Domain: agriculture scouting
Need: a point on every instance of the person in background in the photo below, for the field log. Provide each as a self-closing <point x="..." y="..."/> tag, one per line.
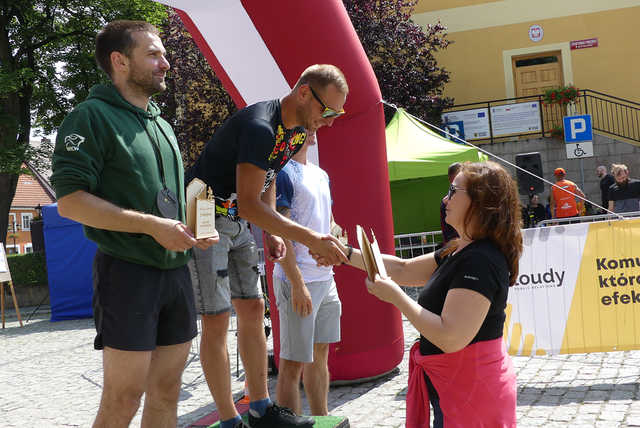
<point x="606" y="180"/>
<point x="563" y="200"/>
<point x="536" y="212"/>
<point x="624" y="194"/>
<point x="448" y="232"/>
<point x="460" y="365"/>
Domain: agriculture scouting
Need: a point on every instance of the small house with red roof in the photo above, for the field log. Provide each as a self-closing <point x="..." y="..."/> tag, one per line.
<point x="33" y="191"/>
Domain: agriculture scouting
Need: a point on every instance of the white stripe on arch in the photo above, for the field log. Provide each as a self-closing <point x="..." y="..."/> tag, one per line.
<point x="237" y="45"/>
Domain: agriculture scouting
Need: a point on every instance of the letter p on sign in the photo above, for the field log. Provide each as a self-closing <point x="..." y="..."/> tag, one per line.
<point x="578" y="126"/>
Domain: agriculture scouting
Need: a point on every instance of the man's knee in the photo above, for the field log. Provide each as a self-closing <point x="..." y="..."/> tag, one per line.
<point x="121" y="399"/>
<point x="163" y="394"/>
<point x="290" y="369"/>
<point x="215" y="327"/>
<point x="249" y="310"/>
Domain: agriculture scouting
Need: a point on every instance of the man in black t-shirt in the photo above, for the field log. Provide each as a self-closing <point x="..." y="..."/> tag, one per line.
<point x="624" y="194"/>
<point x="240" y="164"/>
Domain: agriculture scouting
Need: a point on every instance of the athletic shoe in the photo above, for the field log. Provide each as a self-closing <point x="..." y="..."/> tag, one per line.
<point x="241" y="424"/>
<point x="280" y="417"/>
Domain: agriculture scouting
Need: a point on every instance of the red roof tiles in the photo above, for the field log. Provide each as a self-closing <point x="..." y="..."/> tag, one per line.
<point x="31" y="191"/>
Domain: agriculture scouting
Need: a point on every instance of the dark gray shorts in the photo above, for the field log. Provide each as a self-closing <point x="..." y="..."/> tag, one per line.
<point x="227" y="270"/>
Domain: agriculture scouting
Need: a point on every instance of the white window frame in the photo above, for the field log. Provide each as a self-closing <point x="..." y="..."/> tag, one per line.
<point x="16" y="247"/>
<point x="12" y="223"/>
<point x="22" y="217"/>
<point x="28" y="247"/>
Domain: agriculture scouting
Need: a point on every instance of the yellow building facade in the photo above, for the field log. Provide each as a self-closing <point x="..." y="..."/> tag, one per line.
<point x="509" y="48"/>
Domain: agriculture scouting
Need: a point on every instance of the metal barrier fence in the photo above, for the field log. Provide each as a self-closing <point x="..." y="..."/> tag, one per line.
<point x="586" y="219"/>
<point x="416" y="244"/>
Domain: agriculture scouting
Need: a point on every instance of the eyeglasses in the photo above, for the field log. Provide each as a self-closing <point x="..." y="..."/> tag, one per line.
<point x="452" y="191"/>
<point x="327" y="113"/>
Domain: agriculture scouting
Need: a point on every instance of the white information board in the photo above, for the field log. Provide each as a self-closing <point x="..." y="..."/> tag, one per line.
<point x="5" y="275"/>
<point x="475" y="122"/>
<point x="517" y="118"/>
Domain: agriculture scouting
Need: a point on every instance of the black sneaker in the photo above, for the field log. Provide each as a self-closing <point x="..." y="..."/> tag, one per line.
<point x="280" y="417"/>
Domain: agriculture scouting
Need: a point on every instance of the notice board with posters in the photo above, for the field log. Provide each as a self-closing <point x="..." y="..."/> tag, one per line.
<point x="518" y="118"/>
<point x="475" y="122"/>
<point x="577" y="291"/>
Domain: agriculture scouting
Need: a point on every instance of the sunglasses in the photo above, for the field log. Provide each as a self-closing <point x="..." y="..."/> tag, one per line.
<point x="327" y="113"/>
<point x="452" y="191"/>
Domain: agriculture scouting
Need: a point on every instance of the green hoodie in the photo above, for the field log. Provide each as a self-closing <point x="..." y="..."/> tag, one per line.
<point x="105" y="147"/>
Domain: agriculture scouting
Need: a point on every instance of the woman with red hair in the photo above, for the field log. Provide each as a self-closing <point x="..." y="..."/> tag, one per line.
<point x="460" y="364"/>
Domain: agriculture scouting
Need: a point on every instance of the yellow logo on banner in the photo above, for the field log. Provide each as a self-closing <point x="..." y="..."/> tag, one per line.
<point x="516" y="337"/>
<point x="605" y="309"/>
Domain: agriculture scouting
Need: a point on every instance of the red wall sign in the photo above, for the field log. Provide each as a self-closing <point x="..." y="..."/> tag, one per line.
<point x="586" y="43"/>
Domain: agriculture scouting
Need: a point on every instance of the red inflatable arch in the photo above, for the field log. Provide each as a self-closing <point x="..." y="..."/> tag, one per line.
<point x="258" y="49"/>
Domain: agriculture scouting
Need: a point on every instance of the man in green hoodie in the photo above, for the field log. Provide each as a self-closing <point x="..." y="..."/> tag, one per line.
<point x="117" y="169"/>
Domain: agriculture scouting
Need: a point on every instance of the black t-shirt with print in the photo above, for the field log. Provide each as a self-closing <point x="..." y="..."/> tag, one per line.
<point x="253" y="135"/>
<point x="481" y="267"/>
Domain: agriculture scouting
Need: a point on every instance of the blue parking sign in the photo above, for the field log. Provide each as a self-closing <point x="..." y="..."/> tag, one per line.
<point x="577" y="128"/>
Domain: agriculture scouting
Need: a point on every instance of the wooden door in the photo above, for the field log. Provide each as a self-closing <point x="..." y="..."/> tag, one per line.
<point x="533" y="74"/>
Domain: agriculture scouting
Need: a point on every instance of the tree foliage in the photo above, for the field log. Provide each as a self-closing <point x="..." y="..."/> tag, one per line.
<point x="402" y="55"/>
<point x="195" y="103"/>
<point x="47" y="66"/>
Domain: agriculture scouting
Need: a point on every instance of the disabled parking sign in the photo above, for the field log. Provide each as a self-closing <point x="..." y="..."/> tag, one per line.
<point x="578" y="136"/>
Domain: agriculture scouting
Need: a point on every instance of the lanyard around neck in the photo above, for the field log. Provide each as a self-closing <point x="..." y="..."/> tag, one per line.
<point x="155" y="144"/>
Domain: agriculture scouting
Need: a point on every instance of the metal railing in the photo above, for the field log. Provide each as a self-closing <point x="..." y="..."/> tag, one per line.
<point x="586" y="219"/>
<point x="416" y="244"/>
<point x="609" y="115"/>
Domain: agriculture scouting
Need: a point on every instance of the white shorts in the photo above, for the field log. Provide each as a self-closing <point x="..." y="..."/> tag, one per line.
<point x="298" y="335"/>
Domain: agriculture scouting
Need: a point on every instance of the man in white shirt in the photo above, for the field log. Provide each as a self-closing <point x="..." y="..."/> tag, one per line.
<point x="306" y="294"/>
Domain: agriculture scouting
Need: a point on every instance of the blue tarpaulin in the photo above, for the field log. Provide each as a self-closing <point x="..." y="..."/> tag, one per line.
<point x="69" y="266"/>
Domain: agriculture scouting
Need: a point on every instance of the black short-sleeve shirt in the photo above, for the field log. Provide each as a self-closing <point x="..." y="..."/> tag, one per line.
<point x="481" y="267"/>
<point x="253" y="135"/>
<point x="625" y="196"/>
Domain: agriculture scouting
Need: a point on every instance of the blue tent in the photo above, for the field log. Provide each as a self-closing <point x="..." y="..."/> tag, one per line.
<point x="69" y="266"/>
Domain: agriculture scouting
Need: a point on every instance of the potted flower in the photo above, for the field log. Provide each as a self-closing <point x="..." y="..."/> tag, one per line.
<point x="557" y="132"/>
<point x="563" y="95"/>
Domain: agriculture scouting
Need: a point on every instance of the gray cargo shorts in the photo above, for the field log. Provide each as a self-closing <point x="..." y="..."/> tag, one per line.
<point x="227" y="270"/>
<point x="297" y="334"/>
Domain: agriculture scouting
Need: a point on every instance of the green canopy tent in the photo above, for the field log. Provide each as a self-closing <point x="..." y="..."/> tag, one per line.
<point x="418" y="160"/>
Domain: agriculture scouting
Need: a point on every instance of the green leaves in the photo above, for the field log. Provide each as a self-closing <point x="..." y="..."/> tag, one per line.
<point x="402" y="55"/>
<point x="12" y="80"/>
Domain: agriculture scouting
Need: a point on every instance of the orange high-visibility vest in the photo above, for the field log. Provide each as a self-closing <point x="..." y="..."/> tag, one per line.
<point x="565" y="202"/>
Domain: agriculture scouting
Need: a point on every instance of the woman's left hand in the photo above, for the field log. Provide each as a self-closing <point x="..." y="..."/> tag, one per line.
<point x="384" y="289"/>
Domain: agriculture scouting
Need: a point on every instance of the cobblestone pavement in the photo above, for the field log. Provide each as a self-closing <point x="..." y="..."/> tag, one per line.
<point x="50" y="376"/>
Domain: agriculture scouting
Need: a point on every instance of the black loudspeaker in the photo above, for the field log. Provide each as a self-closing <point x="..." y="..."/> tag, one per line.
<point x="527" y="184"/>
<point x="37" y="236"/>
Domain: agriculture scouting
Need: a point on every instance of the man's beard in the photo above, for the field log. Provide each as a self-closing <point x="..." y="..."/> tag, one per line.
<point x="145" y="84"/>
